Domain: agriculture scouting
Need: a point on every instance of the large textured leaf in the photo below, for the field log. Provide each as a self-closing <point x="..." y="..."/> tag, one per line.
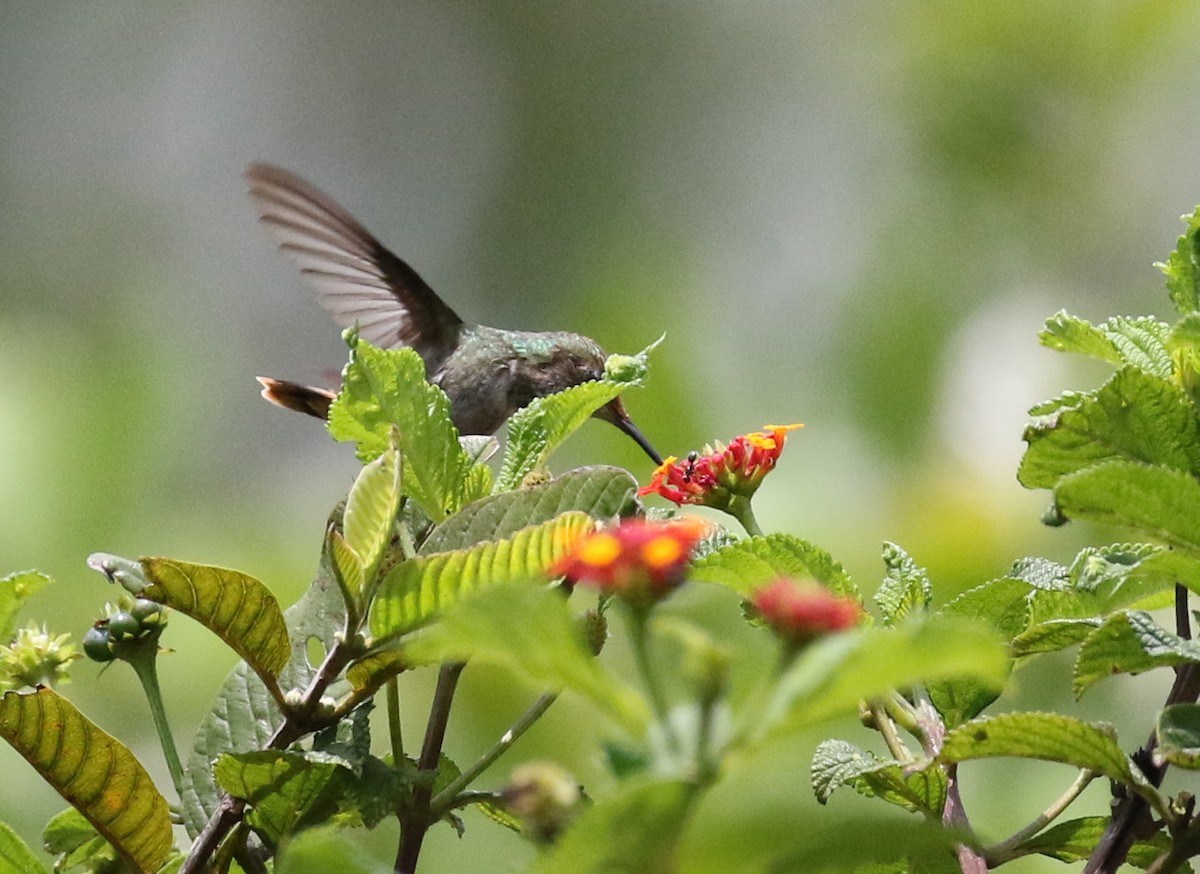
<point x="385" y="389"/>
<point x="286" y="790"/>
<point x="15" y="589"/>
<point x="415" y="590"/>
<point x="1130" y="643"/>
<point x="235" y="606"/>
<point x="748" y="564"/>
<point x="244" y="715"/>
<point x="92" y="770"/>
<point x="1153" y="501"/>
<point x="1136" y="341"/>
<point x="541" y="427"/>
<point x="1182" y="267"/>
<point x="15" y="855"/>
<point x="532" y="632"/>
<point x="833" y="675"/>
<point x="637" y="829"/>
<point x="1050" y="737"/>
<point x="905" y="588"/>
<point x="837" y="763"/>
<point x="1068" y="333"/>
<point x="1133" y="417"/>
<point x="601" y="492"/>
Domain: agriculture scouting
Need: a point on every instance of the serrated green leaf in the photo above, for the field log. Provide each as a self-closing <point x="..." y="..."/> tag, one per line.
<point x="1182" y="267"/>
<point x="837" y="763"/>
<point x="748" y="564"/>
<point x="92" y="770"/>
<point x="1129" y="642"/>
<point x="385" y="389"/>
<point x="235" y="606"/>
<point x="1050" y="737"/>
<point x="15" y="855"/>
<point x="1053" y="635"/>
<point x="1153" y="501"/>
<point x="417" y="589"/>
<point x="1002" y="603"/>
<point x="1041" y="573"/>
<point x="66" y="831"/>
<point x="1076" y="839"/>
<point x="1068" y="333"/>
<point x="371" y="509"/>
<point x="1132" y="417"/>
<point x="15" y="589"/>
<point x="531" y="632"/>
<point x="637" y="829"/>
<point x="834" y="674"/>
<point x="1178" y="734"/>
<point x="286" y="790"/>
<point x="905" y="588"/>
<point x="601" y="492"/>
<point x="1141" y="342"/>
<point x="244" y="716"/>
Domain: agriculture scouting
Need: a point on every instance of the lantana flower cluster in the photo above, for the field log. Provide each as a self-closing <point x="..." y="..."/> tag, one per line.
<point x="721" y="474"/>
<point x="800" y="611"/>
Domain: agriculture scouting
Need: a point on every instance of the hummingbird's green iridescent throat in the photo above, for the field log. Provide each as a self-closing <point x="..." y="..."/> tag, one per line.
<point x="488" y="373"/>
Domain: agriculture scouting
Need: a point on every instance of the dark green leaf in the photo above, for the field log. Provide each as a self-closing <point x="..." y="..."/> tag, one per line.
<point x="532" y="632"/>
<point x="286" y="790"/>
<point x="1051" y="737"/>
<point x="748" y="564"/>
<point x="1074" y="841"/>
<point x="601" y="492"/>
<point x="1179" y="735"/>
<point x="637" y="829"/>
<point x="1153" y="501"/>
<point x="92" y="770"/>
<point x="905" y="588"/>
<point x="417" y="589"/>
<point x="15" y="855"/>
<point x="1133" y="417"/>
<point x="1130" y="643"/>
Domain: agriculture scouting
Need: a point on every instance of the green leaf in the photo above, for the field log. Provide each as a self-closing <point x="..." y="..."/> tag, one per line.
<point x="244" y="715"/>
<point x="287" y="790"/>
<point x="748" y="564"/>
<point x="324" y="849"/>
<point x="637" y="829"/>
<point x="541" y="427"/>
<point x="1133" y="417"/>
<point x="15" y="590"/>
<point x="1129" y="643"/>
<point x="1153" y="501"/>
<point x="93" y="771"/>
<point x="15" y="855"/>
<point x="1182" y="267"/>
<point x="834" y="674"/>
<point x="1076" y="839"/>
<point x="235" y="606"/>
<point x="371" y="509"/>
<point x="837" y="763"/>
<point x="1178" y="735"/>
<point x="905" y="588"/>
<point x="385" y="389"/>
<point x="1050" y="737"/>
<point x="1068" y="333"/>
<point x="417" y="589"/>
<point x="531" y="632"/>
<point x="1002" y="603"/>
<point x="374" y="670"/>
<point x="1053" y="635"/>
<point x="601" y="492"/>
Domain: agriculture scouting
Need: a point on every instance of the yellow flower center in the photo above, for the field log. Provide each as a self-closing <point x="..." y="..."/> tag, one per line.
<point x="662" y="552"/>
<point x="599" y="550"/>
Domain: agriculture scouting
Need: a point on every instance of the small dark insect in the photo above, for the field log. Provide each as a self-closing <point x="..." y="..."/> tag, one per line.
<point x="690" y="467"/>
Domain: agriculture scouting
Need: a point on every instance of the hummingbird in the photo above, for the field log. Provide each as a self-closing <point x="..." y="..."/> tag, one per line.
<point x="488" y="373"/>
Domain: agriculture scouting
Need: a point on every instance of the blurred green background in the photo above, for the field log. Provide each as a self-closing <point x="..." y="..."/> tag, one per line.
<point x="854" y="215"/>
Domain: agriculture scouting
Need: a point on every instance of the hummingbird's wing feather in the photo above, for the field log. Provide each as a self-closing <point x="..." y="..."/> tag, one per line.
<point x="356" y="278"/>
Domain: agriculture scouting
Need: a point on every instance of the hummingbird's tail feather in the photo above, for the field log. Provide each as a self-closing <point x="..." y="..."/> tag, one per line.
<point x="293" y="396"/>
<point x="358" y="281"/>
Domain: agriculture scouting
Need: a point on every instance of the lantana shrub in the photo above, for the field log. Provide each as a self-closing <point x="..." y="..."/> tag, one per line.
<point x="434" y="562"/>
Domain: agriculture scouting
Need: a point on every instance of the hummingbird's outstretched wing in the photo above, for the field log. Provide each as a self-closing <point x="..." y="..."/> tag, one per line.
<point x="357" y="279"/>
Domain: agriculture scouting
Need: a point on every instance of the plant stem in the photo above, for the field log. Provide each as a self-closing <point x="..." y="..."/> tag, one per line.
<point x="639" y="638"/>
<point x="146" y="668"/>
<point x="740" y="509"/>
<point x="395" y="734"/>
<point x="415" y="822"/>
<point x="884" y="725"/>
<point x="448" y="798"/>
<point x="1003" y="852"/>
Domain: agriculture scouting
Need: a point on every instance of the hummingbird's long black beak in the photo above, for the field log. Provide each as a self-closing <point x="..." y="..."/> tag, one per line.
<point x="614" y="412"/>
